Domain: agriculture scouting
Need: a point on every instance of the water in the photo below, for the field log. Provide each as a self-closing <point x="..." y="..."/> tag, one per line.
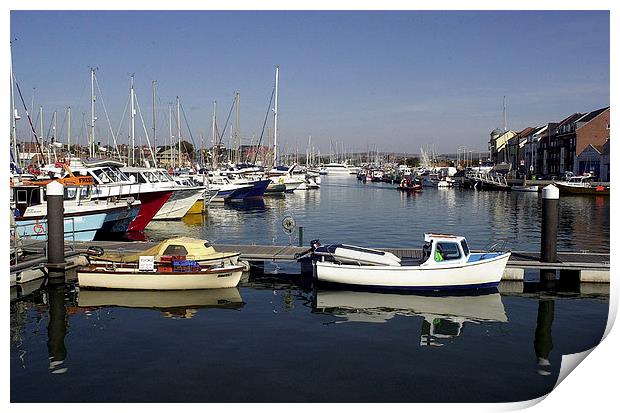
<point x="372" y="214"/>
<point x="278" y="337"/>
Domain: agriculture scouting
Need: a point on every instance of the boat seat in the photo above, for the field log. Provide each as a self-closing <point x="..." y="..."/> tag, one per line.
<point x="412" y="261"/>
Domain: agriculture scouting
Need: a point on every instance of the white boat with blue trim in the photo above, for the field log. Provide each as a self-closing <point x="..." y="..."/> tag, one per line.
<point x="446" y="263"/>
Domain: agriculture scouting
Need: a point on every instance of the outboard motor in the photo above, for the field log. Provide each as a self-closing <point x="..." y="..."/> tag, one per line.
<point x="314" y="244"/>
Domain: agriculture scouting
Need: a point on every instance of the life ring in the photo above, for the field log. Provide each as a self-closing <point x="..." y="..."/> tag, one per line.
<point x="38" y="228"/>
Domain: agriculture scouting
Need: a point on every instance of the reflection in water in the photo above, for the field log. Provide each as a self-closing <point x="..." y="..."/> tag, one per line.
<point x="444" y="316"/>
<point x="57" y="329"/>
<point x="543" y="340"/>
<point x="174" y="304"/>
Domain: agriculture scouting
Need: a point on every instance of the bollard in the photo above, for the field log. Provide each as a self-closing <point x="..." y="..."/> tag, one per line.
<point x="301" y="236"/>
<point x="549" y="229"/>
<point x="55" y="231"/>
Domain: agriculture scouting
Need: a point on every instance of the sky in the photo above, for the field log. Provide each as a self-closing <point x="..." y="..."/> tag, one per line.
<point x="391" y="80"/>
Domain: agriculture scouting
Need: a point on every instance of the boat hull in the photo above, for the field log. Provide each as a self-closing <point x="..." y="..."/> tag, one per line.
<point x="93" y="277"/>
<point x="118" y="221"/>
<point x="78" y="227"/>
<point x="197" y="208"/>
<point x="583" y="190"/>
<point x="150" y="204"/>
<point x="480" y="274"/>
<point x="179" y="203"/>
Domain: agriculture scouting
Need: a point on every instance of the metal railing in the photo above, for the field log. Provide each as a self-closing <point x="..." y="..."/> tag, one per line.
<point x="38" y="240"/>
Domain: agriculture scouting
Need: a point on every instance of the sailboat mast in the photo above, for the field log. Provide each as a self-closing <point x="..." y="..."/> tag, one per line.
<point x="133" y="124"/>
<point x="213" y="136"/>
<point x="504" y="113"/>
<point x="170" y="125"/>
<point x="275" y="121"/>
<point x="91" y="142"/>
<point x="238" y="155"/>
<point x="69" y="131"/>
<point x="154" y="135"/>
<point x="179" y="128"/>
<point x="13" y="114"/>
<point x="41" y="127"/>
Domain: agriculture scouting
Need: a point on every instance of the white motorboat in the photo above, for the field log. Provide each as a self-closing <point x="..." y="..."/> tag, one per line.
<point x="339" y="169"/>
<point x="524" y="188"/>
<point x="184" y="196"/>
<point x="582" y="184"/>
<point x="83" y="217"/>
<point x="112" y="183"/>
<point x="282" y="175"/>
<point x="446" y="263"/>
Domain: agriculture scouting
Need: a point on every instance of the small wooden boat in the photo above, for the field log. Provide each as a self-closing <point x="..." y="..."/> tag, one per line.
<point x="176" y="275"/>
<point x="191" y="248"/>
<point x="446" y="263"/>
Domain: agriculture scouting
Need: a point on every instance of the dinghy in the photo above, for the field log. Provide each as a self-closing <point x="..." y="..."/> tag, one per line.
<point x="446" y="263"/>
<point x="178" y="275"/>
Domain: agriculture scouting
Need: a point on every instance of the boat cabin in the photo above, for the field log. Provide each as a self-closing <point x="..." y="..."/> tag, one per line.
<point x="444" y="248"/>
<point x="147" y="175"/>
<point x="27" y="195"/>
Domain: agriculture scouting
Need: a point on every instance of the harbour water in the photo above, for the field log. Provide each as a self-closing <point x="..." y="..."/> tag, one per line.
<point x="278" y="337"/>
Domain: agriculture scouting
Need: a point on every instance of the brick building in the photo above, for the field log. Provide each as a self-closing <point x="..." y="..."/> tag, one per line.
<point x="592" y="129"/>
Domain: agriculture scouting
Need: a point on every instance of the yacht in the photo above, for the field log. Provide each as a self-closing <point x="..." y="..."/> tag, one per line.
<point x="111" y="182"/>
<point x="182" y="199"/>
<point x="84" y="217"/>
<point x="338" y="169"/>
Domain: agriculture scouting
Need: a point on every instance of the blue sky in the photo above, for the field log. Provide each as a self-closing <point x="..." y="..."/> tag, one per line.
<point x="397" y="80"/>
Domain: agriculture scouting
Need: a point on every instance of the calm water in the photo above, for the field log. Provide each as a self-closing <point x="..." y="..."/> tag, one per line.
<point x="373" y="214"/>
<point x="278" y="337"/>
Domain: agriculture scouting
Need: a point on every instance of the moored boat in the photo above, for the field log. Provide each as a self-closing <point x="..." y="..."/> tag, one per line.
<point x="194" y="249"/>
<point x="446" y="263"/>
<point x="582" y="185"/>
<point x="176" y="275"/>
<point x="524" y="188"/>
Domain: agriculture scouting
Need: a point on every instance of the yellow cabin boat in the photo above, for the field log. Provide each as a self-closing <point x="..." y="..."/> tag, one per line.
<point x="191" y="248"/>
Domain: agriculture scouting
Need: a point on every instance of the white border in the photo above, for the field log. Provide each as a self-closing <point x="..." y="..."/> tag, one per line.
<point x="591" y="386"/>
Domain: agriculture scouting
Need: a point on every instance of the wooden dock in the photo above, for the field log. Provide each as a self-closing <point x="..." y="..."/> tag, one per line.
<point x="592" y="266"/>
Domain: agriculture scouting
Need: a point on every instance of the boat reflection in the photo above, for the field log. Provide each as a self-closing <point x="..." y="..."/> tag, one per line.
<point x="443" y="316"/>
<point x="175" y="304"/>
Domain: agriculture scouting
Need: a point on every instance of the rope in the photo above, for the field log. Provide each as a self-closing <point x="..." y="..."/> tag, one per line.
<point x="29" y="119"/>
<point x="264" y="123"/>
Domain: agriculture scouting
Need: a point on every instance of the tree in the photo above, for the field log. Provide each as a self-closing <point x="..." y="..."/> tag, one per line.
<point x="187" y="148"/>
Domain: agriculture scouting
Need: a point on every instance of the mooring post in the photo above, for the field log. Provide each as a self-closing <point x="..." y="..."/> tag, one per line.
<point x="301" y="236"/>
<point x="55" y="232"/>
<point x="549" y="229"/>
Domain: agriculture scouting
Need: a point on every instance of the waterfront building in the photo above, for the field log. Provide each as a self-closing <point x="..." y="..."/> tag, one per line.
<point x="498" y="145"/>
<point x="589" y="160"/>
<point x="592" y="129"/>
<point x="605" y="175"/>
<point x="561" y="149"/>
<point x="517" y="148"/>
